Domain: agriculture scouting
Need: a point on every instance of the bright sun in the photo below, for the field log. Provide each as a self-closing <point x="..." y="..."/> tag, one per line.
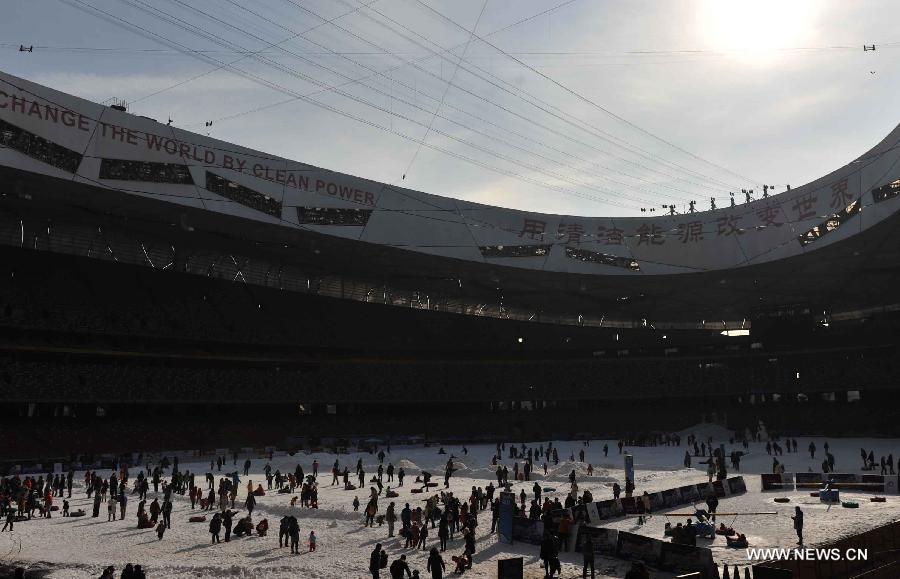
<point x="756" y="28"/>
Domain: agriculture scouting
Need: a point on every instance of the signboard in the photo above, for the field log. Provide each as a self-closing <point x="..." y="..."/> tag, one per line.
<point x="610" y="508"/>
<point x="809" y="480"/>
<point x="604" y="540"/>
<point x="510" y="568"/>
<point x="505" y="520"/>
<point x="684" y="558"/>
<point x="719" y="488"/>
<point x="631" y="546"/>
<point x="672" y="497"/>
<point x="689" y="494"/>
<point x="737" y="485"/>
<point x="580" y="513"/>
<point x="657" y="501"/>
<point x="527" y="530"/>
<point x="593" y="514"/>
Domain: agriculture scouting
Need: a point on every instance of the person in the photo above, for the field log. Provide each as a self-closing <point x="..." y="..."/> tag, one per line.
<point x="160" y="530"/>
<point x="215" y="527"/>
<point x="250" y="503"/>
<point x="226" y="522"/>
<point x="10" y="520"/>
<point x="283" y="528"/>
<point x="443" y="531"/>
<point x="312" y="541"/>
<point x="712" y="502"/>
<point x="294" y="532"/>
<point x="690" y="533"/>
<point x="549" y="552"/>
<point x="375" y="561"/>
<point x="565" y="530"/>
<point x="423" y="536"/>
<point x="390" y="518"/>
<point x="798" y="524"/>
<point x="398" y="567"/>
<point x="587" y="552"/>
<point x="463" y="562"/>
<point x="111" y="509"/>
<point x="436" y="564"/>
<point x="167" y="514"/>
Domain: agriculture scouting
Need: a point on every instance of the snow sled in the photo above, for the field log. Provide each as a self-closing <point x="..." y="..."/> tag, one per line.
<point x="739" y="542"/>
<point x="259" y="492"/>
<point x="431" y="484"/>
<point x="782" y="500"/>
<point x="54" y="507"/>
<point x="815" y="494"/>
<point x="197" y="519"/>
<point x="284" y="490"/>
<point x="392" y="495"/>
<point x="78" y="513"/>
<point x="726" y="531"/>
<point x="350" y="487"/>
<point x="849" y="505"/>
<point x="415" y="491"/>
<point x="877" y="499"/>
<point x="549" y="490"/>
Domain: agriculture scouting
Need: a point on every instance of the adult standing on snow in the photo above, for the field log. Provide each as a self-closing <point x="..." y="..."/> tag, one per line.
<point x="436" y="564"/>
<point x="215" y="527"/>
<point x="250" y="503"/>
<point x="798" y="524"/>
<point x="375" y="561"/>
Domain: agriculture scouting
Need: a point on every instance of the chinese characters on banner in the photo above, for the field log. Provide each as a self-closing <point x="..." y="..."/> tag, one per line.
<point x="732" y="224"/>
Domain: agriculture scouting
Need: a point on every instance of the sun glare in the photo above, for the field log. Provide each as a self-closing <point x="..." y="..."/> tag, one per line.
<point x="756" y="29"/>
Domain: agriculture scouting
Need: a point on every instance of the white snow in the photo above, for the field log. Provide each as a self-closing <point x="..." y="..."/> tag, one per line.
<point x="81" y="547"/>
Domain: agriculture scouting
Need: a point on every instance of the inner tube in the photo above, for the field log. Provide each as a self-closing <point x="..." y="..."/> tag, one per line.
<point x="850" y="505"/>
<point x="782" y="500"/>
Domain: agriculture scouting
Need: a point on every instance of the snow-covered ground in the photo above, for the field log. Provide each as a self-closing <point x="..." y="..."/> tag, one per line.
<point x="81" y="547"/>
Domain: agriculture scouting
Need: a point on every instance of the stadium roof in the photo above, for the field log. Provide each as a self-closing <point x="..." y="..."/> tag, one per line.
<point x="828" y="244"/>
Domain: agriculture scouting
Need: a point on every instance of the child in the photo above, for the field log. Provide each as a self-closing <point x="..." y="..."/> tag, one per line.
<point x="355" y="504"/>
<point x="312" y="541"/>
<point x="65" y="508"/>
<point x="160" y="530"/>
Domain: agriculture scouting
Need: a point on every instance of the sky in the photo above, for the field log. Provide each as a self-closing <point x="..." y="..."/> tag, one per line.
<point x="581" y="107"/>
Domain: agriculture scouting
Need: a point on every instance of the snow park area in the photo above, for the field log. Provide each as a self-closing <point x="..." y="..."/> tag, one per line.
<point x="83" y="546"/>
